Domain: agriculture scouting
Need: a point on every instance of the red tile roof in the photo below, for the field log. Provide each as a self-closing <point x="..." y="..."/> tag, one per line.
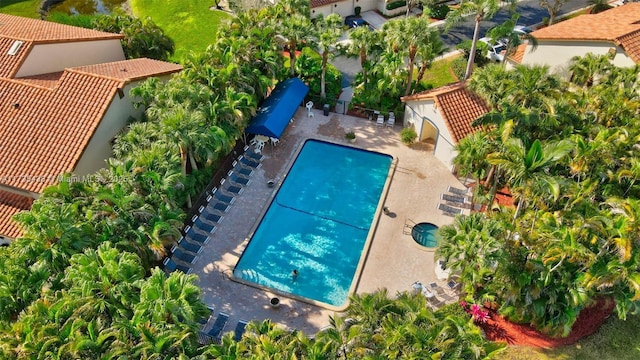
<point x="458" y="106"/>
<point x="318" y="3"/>
<point x="9" y="64"/>
<point x="11" y="204"/>
<point x="518" y="55"/>
<point x="45" y="130"/>
<point x="620" y="25"/>
<point x="40" y="31"/>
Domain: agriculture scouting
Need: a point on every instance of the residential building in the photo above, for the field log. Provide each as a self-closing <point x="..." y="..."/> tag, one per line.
<point x="64" y="95"/>
<point x="445" y="116"/>
<point x="615" y="32"/>
<point x="347" y="7"/>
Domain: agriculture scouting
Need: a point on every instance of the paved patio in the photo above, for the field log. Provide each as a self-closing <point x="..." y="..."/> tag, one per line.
<point x="394" y="260"/>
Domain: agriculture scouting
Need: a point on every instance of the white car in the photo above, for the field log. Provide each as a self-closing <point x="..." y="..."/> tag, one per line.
<point x="495" y="51"/>
<point x="522" y="30"/>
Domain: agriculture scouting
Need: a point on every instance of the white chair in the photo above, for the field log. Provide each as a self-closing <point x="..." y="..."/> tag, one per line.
<point x="309" y="106"/>
<point x="391" y="121"/>
<point x="274" y="141"/>
<point x="380" y="120"/>
<point x="258" y="147"/>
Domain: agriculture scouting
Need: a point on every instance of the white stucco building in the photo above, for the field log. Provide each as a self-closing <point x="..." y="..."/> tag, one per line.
<point x="64" y="95"/>
<point x="615" y="32"/>
<point x="444" y="115"/>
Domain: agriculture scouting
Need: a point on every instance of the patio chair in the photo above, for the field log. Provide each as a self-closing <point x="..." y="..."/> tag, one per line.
<point x="442" y="293"/>
<point x="380" y="120"/>
<point x="218" y="326"/>
<point x="184" y="256"/>
<point x="259" y="147"/>
<point x="192" y="235"/>
<point x="203" y="321"/>
<point x="237" y="190"/>
<point x="449" y="210"/>
<point x="239" y="330"/>
<point x="274" y="141"/>
<point x="453" y="285"/>
<point x="248" y="162"/>
<point x="170" y="266"/>
<point x="215" y="194"/>
<point x="434" y="303"/>
<point x="235" y="178"/>
<point x="252" y="155"/>
<point x="187" y="246"/>
<point x="459" y="192"/>
<point x="242" y="170"/>
<point x="211" y="217"/>
<point x="456" y="200"/>
<point x="203" y="226"/>
<point x="391" y="121"/>
<point x="217" y="205"/>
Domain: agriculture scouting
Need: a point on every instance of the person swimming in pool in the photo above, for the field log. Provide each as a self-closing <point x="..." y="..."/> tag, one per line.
<point x="294" y="274"/>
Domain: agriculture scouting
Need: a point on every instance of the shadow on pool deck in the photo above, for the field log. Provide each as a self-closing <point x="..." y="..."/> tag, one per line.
<point x="394" y="260"/>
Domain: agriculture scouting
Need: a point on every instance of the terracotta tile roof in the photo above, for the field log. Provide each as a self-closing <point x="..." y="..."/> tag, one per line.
<point x="44" y="131"/>
<point x="458" y="106"/>
<point x="44" y="80"/>
<point x="631" y="44"/>
<point x="130" y="70"/>
<point x="318" y="3"/>
<point x="40" y="31"/>
<point x="608" y="25"/>
<point x="518" y="55"/>
<point x="11" y="204"/>
<point x="9" y="64"/>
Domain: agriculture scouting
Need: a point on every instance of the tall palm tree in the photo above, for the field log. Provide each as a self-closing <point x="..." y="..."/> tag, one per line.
<point x="329" y="30"/>
<point x="585" y="69"/>
<point x="480" y="10"/>
<point x="362" y="40"/>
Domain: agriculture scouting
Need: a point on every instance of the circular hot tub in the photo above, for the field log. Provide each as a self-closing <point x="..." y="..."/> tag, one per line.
<point x="425" y="234"/>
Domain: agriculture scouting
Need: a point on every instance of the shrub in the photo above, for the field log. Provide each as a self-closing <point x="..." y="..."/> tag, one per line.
<point x="454" y="310"/>
<point x="439" y="11"/>
<point x="396" y="4"/>
<point x="408" y="135"/>
<point x="458" y="67"/>
<point x="350" y="135"/>
<point x="80" y="20"/>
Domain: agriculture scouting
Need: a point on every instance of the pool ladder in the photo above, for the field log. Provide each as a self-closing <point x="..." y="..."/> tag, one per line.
<point x="408" y="226"/>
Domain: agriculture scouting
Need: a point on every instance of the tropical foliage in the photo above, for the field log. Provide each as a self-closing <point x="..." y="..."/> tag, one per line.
<point x="565" y="151"/>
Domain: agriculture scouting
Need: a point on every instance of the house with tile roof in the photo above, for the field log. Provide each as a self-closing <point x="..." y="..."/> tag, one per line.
<point x="64" y="95"/>
<point x="347" y="7"/>
<point x="444" y="116"/>
<point x="615" y="32"/>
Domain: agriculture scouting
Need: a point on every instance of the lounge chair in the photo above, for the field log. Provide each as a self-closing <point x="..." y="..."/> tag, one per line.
<point x="242" y="170"/>
<point x="218" y="326"/>
<point x="252" y="155"/>
<point x="449" y="210"/>
<point x="237" y="190"/>
<point x="203" y="226"/>
<point x="170" y="266"/>
<point x="239" y="330"/>
<point x="392" y="120"/>
<point x="453" y="285"/>
<point x="192" y="235"/>
<point x="205" y="320"/>
<point x="234" y="178"/>
<point x="185" y="245"/>
<point x="455" y="200"/>
<point x="211" y="217"/>
<point x="216" y="204"/>
<point x="248" y="162"/>
<point x="442" y="293"/>
<point x="215" y="194"/>
<point x="459" y="192"/>
<point x="380" y="120"/>
<point x="184" y="256"/>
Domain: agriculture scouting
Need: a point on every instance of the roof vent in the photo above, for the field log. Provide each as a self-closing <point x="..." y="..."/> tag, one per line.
<point x="15" y="47"/>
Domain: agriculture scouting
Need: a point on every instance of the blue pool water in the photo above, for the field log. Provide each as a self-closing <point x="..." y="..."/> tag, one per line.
<point x="317" y="223"/>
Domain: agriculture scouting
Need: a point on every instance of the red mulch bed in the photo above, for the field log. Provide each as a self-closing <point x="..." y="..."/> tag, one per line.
<point x="589" y="321"/>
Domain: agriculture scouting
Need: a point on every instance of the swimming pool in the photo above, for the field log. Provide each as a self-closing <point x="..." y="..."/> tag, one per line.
<point x="317" y="223"/>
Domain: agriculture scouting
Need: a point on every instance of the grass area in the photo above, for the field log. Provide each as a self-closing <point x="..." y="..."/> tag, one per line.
<point x="439" y="74"/>
<point x="190" y="24"/>
<point x="615" y="340"/>
<point x="25" y="8"/>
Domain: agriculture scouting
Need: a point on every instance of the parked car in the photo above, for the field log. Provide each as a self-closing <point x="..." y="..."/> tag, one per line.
<point x="522" y="30"/>
<point x="495" y="51"/>
<point x="353" y="21"/>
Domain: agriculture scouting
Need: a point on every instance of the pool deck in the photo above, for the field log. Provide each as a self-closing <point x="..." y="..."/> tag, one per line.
<point x="394" y="260"/>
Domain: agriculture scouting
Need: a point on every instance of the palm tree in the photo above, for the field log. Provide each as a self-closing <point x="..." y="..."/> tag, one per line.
<point x="296" y="30"/>
<point x="481" y="10"/>
<point x="329" y="30"/>
<point x="362" y="40"/>
<point x="585" y="69"/>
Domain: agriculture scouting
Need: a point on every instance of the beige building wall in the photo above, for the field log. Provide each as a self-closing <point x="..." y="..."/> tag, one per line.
<point x="423" y="116"/>
<point x="48" y="58"/>
<point x="99" y="147"/>
<point x="345" y="8"/>
<point x="557" y="54"/>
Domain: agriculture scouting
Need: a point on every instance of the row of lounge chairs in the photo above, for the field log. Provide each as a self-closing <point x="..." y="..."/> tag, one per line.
<point x="437" y="295"/>
<point x="214" y="333"/>
<point x="205" y="222"/>
<point x="390" y="121"/>
<point x="455" y="201"/>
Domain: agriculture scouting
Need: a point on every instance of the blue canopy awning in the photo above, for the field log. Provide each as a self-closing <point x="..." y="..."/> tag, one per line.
<point x="276" y="110"/>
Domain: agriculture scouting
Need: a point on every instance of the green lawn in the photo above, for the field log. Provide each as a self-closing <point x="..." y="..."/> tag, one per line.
<point x="190" y="24"/>
<point x="439" y="74"/>
<point x="25" y="8"/>
<point x="615" y="340"/>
